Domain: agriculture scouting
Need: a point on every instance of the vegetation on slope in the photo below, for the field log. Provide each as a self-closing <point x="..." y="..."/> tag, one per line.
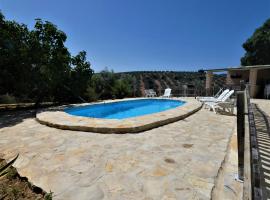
<point x="177" y="81"/>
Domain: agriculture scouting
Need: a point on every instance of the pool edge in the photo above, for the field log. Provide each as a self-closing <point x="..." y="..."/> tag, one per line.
<point x="62" y="120"/>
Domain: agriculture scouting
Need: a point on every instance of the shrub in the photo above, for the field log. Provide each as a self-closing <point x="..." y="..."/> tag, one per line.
<point x="7" y="99"/>
<point x="91" y="94"/>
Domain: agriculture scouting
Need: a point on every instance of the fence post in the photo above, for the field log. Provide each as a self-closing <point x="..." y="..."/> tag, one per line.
<point x="242" y="85"/>
<point x="240" y="132"/>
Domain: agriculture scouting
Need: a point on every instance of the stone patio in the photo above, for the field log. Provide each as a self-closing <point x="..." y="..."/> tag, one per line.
<point x="58" y="118"/>
<point x="181" y="160"/>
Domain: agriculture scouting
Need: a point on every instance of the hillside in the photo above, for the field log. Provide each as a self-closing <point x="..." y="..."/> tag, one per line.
<point x="177" y="81"/>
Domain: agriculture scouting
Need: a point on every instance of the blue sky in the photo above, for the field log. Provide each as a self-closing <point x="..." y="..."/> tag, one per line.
<point x="128" y="35"/>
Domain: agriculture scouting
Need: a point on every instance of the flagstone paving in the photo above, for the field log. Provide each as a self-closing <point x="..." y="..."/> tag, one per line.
<point x="180" y="160"/>
<point x="263" y="104"/>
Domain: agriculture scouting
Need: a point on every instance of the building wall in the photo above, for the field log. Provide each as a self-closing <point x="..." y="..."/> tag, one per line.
<point x="235" y="76"/>
<point x="263" y="78"/>
<point x="257" y="78"/>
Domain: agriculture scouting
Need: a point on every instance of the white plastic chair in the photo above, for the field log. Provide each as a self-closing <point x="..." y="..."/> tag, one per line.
<point x="167" y="93"/>
<point x="222" y="103"/>
<point x="213" y="99"/>
<point x="215" y="96"/>
<point x="152" y="93"/>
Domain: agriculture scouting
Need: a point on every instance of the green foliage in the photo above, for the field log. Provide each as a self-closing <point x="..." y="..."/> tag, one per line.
<point x="7" y="99"/>
<point x="121" y="89"/>
<point x="258" y="47"/>
<point x="49" y="196"/>
<point x="12" y="173"/>
<point x="109" y="85"/>
<point x="81" y="74"/>
<point x="36" y="66"/>
<point x="91" y="94"/>
<point x="4" y="168"/>
<point x="14" y="67"/>
<point x="51" y="61"/>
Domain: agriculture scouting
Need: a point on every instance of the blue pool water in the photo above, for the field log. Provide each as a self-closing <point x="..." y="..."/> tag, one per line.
<point x="125" y="109"/>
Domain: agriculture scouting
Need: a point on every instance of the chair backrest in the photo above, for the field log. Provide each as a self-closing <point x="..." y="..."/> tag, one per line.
<point x="223" y="94"/>
<point x="227" y="96"/>
<point x="218" y="93"/>
<point x="151" y="91"/>
<point x="146" y="92"/>
<point x="167" y="92"/>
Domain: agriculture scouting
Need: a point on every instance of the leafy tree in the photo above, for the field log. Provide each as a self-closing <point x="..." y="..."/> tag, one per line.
<point x="91" y="94"/>
<point x="81" y="74"/>
<point x="258" y="47"/>
<point x="122" y="88"/>
<point x="36" y="66"/>
<point x="104" y="82"/>
<point x="108" y="85"/>
<point x="14" y="66"/>
<point x="50" y="61"/>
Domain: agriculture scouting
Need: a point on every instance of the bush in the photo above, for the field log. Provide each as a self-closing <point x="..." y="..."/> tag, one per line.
<point x="91" y="94"/>
<point x="7" y="99"/>
<point x="121" y="89"/>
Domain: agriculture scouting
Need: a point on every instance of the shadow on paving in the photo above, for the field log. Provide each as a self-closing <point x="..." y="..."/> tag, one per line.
<point x="263" y="140"/>
<point x="11" y="118"/>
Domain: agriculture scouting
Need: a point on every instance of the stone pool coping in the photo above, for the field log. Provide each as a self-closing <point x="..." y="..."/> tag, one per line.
<point x="57" y="118"/>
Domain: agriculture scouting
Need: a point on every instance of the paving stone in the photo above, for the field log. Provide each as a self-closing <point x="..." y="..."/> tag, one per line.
<point x="176" y="161"/>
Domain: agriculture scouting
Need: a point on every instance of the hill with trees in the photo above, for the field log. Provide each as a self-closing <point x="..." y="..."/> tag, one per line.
<point x="177" y="81"/>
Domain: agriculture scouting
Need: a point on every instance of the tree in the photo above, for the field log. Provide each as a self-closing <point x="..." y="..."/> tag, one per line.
<point x="109" y="85"/>
<point x="122" y="88"/>
<point x="81" y="74"/>
<point x="36" y="66"/>
<point x="14" y="65"/>
<point x="104" y="83"/>
<point x="50" y="61"/>
<point x="258" y="47"/>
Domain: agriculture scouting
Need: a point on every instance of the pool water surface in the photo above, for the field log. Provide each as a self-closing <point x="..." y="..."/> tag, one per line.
<point x="124" y="109"/>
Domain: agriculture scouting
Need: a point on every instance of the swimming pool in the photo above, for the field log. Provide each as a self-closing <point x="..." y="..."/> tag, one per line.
<point x="125" y="109"/>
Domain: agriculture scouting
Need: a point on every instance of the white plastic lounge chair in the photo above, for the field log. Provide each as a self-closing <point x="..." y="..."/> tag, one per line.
<point x="213" y="99"/>
<point x="216" y="95"/>
<point x="167" y="93"/>
<point x="150" y="93"/>
<point x="146" y="93"/>
<point x="222" y="103"/>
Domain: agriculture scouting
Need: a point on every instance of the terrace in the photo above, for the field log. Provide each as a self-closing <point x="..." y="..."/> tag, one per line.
<point x="187" y="152"/>
<point x="185" y="159"/>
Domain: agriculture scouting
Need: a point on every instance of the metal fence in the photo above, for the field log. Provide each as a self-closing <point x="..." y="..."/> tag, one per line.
<point x="249" y="161"/>
<point x="199" y="90"/>
<point x="256" y="179"/>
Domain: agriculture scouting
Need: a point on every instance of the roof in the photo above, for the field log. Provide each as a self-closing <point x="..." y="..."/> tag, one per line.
<point x="239" y="68"/>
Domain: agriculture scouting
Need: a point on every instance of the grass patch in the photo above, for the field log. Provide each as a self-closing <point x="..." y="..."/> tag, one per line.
<point x="12" y="186"/>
